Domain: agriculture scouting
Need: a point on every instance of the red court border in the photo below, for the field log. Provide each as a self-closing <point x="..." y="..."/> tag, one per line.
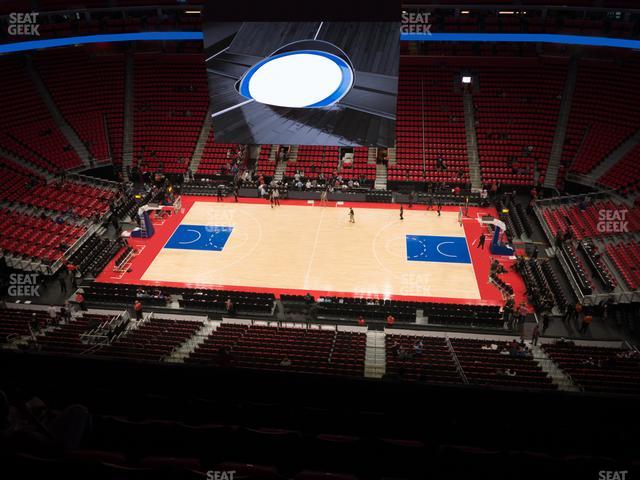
<point x="481" y="259"/>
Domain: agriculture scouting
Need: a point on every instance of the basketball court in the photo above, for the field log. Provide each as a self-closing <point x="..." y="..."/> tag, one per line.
<point x="302" y="247"/>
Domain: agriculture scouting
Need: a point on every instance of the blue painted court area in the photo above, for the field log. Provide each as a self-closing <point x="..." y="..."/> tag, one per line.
<point x="199" y="237"/>
<point x="430" y="248"/>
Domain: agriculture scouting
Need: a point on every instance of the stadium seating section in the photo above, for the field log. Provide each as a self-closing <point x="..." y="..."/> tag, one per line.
<point x="93" y="255"/>
<point x="626" y="258"/>
<point x="170" y="104"/>
<point x="88" y="88"/>
<point x="13" y="180"/>
<point x="515" y="118"/>
<point x="206" y="300"/>
<point x="597" y="369"/>
<point x="265" y="166"/>
<point x="436" y="313"/>
<point x="584" y="223"/>
<point x="360" y="168"/>
<point x="27" y="129"/>
<point x="214" y="157"/>
<point x="35" y="237"/>
<point x="434" y="364"/>
<point x="430" y="125"/>
<point x="624" y="175"/>
<point x="313" y="161"/>
<point x="480" y="364"/>
<point x="16" y="322"/>
<point x="152" y="340"/>
<point x="81" y="199"/>
<point x="605" y="111"/>
<point x="66" y="338"/>
<point x="309" y="350"/>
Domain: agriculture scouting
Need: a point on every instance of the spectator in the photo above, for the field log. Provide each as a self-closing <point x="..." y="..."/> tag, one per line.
<point x="522" y="312"/>
<point x="285" y="362"/>
<point x="545" y="323"/>
<point x="394" y="348"/>
<point x="80" y="300"/>
<point x="53" y="314"/>
<point x="535" y="335"/>
<point x="35" y="323"/>
<point x="403" y="354"/>
<point x="71" y="269"/>
<point x="484" y="195"/>
<point x="418" y="347"/>
<point x="230" y="307"/>
<point x="577" y="311"/>
<point x="390" y="320"/>
<point x="586" y="323"/>
<point x="361" y="321"/>
<point x="34" y="425"/>
<point x="64" y="313"/>
<point x="137" y="307"/>
<point x="224" y="356"/>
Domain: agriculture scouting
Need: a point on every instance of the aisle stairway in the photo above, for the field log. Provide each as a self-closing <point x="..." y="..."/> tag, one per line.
<point x="381" y="177"/>
<point x="551" y="176"/>
<point x="375" y="355"/>
<point x="472" y="141"/>
<point x="207" y="124"/>
<point x="127" y="139"/>
<point x="557" y="376"/>
<point x="70" y="134"/>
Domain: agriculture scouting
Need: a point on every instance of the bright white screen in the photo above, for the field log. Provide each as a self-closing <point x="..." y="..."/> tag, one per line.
<point x="296" y="81"/>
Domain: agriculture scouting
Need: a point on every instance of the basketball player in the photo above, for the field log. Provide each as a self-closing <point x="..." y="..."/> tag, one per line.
<point x="481" y="241"/>
<point x="439" y="207"/>
<point x="276" y="197"/>
<point x="401" y="212"/>
<point x="352" y="216"/>
<point x="323" y="197"/>
<point x="271" y="197"/>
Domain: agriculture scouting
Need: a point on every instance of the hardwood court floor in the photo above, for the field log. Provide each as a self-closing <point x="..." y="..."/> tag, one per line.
<point x="316" y="248"/>
<point x="299" y="248"/>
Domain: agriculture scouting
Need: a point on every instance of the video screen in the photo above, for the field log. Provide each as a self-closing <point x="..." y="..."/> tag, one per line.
<point x="303" y="83"/>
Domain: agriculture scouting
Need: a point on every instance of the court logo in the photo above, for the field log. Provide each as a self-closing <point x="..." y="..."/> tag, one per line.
<point x="415" y="23"/>
<point x="613" y="221"/>
<point x="220" y="217"/>
<point x="24" y="24"/>
<point x="23" y="285"/>
<point x="416" y="284"/>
